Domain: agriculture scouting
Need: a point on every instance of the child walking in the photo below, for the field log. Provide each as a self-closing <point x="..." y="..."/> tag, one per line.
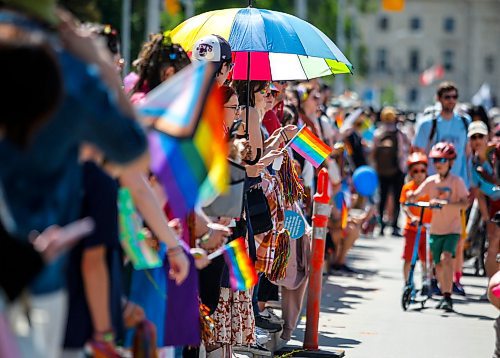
<point x="417" y="170"/>
<point x="449" y="191"/>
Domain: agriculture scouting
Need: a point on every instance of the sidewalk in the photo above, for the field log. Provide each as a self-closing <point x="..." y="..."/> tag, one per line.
<point x="362" y="314"/>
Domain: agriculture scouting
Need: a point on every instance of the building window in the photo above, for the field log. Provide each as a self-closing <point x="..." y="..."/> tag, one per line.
<point x="448" y="57"/>
<point x="414" y="61"/>
<point x="383" y="23"/>
<point x="415" y="24"/>
<point x="381" y="64"/>
<point x="489" y="64"/>
<point x="449" y="24"/>
<point x="413" y="95"/>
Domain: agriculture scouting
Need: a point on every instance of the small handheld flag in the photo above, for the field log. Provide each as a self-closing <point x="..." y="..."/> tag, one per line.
<point x="242" y="275"/>
<point x="310" y="147"/>
<point x="132" y="236"/>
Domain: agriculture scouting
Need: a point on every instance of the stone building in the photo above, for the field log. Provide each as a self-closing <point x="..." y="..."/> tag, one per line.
<point x="461" y="35"/>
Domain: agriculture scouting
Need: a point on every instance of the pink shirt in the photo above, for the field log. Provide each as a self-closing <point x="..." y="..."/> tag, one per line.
<point x="446" y="220"/>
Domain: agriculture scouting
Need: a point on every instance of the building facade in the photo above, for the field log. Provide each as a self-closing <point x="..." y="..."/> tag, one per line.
<point x="461" y="35"/>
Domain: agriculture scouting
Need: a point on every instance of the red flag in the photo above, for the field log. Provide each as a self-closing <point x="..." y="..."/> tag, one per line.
<point x="431" y="74"/>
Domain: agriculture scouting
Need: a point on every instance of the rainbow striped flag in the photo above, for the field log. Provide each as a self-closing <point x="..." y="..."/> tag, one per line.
<point x="242" y="275"/>
<point x="310" y="147"/>
<point x="187" y="146"/>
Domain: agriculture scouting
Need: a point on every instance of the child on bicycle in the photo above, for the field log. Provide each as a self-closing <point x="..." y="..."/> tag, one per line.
<point x="417" y="170"/>
<point x="448" y="191"/>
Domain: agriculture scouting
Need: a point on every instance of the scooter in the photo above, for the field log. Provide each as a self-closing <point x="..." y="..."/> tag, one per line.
<point x="410" y="294"/>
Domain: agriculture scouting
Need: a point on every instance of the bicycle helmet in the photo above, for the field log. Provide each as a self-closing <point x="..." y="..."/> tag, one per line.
<point x="416" y="158"/>
<point x="444" y="150"/>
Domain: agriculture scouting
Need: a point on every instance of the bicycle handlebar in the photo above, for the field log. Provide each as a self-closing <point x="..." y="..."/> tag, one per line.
<point x="423" y="204"/>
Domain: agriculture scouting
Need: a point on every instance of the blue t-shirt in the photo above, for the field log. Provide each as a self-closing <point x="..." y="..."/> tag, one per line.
<point x="453" y="131"/>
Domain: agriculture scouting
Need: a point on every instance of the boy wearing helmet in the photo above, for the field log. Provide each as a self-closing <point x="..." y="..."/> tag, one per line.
<point x="417" y="169"/>
<point x="448" y="190"/>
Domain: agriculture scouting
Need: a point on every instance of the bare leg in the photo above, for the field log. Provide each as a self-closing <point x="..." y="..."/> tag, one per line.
<point x="458" y="261"/>
<point x="406" y="269"/>
<point x="445" y="272"/>
<point x="352" y="234"/>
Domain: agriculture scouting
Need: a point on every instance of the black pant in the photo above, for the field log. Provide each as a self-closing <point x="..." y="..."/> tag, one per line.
<point x="392" y="184"/>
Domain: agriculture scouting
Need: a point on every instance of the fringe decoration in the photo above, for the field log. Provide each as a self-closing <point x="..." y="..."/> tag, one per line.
<point x="293" y="190"/>
<point x="281" y="255"/>
<point x="207" y="324"/>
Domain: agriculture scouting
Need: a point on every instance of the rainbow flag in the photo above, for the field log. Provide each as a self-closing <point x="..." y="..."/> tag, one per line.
<point x="310" y="147"/>
<point x="242" y="275"/>
<point x="187" y="146"/>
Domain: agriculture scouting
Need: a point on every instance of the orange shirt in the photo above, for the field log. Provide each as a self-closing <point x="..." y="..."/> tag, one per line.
<point x="414" y="210"/>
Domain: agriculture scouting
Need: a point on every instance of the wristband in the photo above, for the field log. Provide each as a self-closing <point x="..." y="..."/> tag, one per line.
<point x="106" y="336"/>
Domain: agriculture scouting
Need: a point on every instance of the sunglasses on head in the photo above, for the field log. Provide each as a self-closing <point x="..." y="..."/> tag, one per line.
<point x="439" y="160"/>
<point x="450" y="96"/>
<point x="477" y="136"/>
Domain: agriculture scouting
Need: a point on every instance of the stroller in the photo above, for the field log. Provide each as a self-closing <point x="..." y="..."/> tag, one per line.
<point x="410" y="293"/>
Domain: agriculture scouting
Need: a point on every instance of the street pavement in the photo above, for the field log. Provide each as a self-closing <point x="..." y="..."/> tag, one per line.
<point x="362" y="313"/>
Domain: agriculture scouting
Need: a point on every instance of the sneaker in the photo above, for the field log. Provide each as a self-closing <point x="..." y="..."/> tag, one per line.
<point x="261" y="336"/>
<point x="440" y="304"/>
<point x="396" y="232"/>
<point x="458" y="289"/>
<point x="447" y="304"/>
<point x="266" y="324"/>
<point x="343" y="268"/>
<point x="269" y="314"/>
<point x="281" y="343"/>
<point x="425" y="290"/>
<point x="256" y="349"/>
<point x="435" y="288"/>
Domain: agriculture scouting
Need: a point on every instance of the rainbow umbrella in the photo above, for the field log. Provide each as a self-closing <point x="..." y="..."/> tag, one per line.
<point x="278" y="46"/>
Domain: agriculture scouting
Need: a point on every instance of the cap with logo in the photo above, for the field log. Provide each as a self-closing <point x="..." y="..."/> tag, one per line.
<point x="212" y="48"/>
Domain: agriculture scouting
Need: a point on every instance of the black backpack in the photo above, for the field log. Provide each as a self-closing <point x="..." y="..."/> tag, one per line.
<point x="386" y="154"/>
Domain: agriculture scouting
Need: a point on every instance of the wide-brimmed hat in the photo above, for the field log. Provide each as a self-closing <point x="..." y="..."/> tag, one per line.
<point x="44" y="10"/>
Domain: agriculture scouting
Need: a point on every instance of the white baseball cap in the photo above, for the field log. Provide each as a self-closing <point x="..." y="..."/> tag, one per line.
<point x="477" y="127"/>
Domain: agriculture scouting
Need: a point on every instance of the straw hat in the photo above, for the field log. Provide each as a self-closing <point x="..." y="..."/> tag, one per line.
<point x="388" y="114"/>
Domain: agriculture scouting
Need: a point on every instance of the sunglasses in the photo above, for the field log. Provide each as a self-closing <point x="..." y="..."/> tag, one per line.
<point x="448" y="97"/>
<point x="421" y="171"/>
<point x="265" y="91"/>
<point x="440" y="160"/>
<point x="477" y="136"/>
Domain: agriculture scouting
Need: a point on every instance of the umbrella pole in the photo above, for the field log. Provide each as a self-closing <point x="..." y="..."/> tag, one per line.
<point x="248" y="96"/>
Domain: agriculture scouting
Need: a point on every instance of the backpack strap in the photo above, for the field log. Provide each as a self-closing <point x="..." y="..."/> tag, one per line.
<point x="434" y="126"/>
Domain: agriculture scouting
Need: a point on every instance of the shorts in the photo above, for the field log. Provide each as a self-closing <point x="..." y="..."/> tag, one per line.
<point x="410" y="237"/>
<point x="443" y="243"/>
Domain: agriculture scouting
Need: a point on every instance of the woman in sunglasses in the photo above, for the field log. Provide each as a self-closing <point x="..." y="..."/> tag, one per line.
<point x="448" y="191"/>
<point x="485" y="187"/>
<point x="417" y="170"/>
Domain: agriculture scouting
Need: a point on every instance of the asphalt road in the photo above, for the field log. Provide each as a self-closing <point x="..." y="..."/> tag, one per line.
<point x="362" y="313"/>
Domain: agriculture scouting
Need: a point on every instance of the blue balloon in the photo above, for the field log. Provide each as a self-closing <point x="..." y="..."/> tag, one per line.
<point x="365" y="180"/>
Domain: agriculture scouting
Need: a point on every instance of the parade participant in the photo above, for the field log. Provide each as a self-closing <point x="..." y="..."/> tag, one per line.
<point x="417" y="169"/>
<point x="448" y="190"/>
<point x="390" y="150"/>
<point x="447" y="126"/>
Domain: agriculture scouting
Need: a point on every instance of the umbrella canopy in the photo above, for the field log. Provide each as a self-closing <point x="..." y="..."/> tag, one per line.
<point x="281" y="46"/>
